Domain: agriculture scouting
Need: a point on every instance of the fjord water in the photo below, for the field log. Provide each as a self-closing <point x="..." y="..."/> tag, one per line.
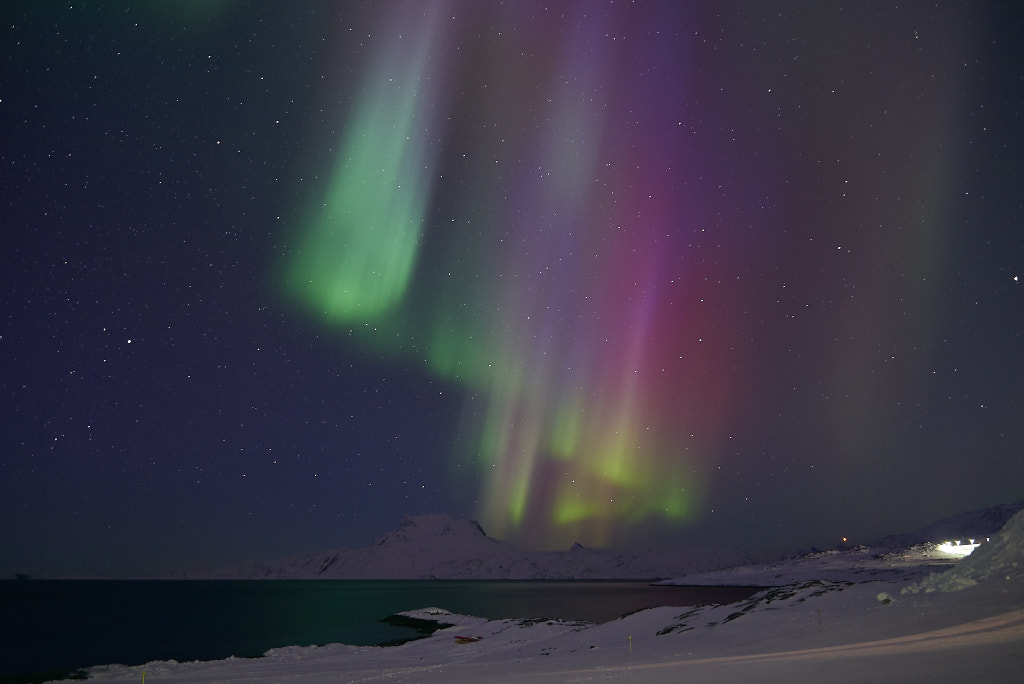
<point x="55" y="625"/>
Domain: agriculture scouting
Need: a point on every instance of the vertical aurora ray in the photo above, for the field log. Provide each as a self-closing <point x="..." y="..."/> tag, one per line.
<point x="573" y="445"/>
<point x="355" y="252"/>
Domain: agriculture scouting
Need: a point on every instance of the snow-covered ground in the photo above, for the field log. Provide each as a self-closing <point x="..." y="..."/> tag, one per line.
<point x="881" y="619"/>
<point x="858" y="564"/>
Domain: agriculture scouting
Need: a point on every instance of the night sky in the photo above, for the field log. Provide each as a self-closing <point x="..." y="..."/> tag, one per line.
<point x="625" y="273"/>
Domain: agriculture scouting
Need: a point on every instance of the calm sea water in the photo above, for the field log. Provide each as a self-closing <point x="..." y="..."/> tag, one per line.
<point x="53" y="626"/>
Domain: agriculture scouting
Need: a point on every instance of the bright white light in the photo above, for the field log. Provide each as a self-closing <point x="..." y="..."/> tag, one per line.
<point x="956" y="548"/>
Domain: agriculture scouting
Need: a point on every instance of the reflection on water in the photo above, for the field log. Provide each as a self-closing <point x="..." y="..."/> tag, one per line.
<point x="55" y="625"/>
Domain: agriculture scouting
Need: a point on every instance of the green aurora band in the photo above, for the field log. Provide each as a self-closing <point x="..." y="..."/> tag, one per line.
<point x="357" y="249"/>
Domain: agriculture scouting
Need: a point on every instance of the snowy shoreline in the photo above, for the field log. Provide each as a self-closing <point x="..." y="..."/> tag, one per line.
<point x="876" y="617"/>
<point x="792" y="633"/>
<point x="867" y="613"/>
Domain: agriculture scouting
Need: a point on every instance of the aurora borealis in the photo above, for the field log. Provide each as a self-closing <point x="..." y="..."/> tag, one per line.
<point x="363" y="239"/>
<point x="614" y="273"/>
<point x="561" y="254"/>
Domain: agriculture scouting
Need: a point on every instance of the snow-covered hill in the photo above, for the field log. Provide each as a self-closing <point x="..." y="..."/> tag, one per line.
<point x="437" y="546"/>
<point x="1001" y="558"/>
<point x="903" y="557"/>
<point x="980" y="523"/>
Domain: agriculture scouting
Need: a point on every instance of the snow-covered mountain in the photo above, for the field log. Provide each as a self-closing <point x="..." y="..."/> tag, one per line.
<point x="973" y="524"/>
<point x="437" y="546"/>
<point x="908" y="557"/>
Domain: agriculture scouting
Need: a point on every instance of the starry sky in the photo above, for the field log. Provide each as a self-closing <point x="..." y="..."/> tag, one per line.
<point x="626" y="273"/>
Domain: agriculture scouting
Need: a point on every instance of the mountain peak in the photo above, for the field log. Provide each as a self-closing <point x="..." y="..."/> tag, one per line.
<point x="429" y="526"/>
